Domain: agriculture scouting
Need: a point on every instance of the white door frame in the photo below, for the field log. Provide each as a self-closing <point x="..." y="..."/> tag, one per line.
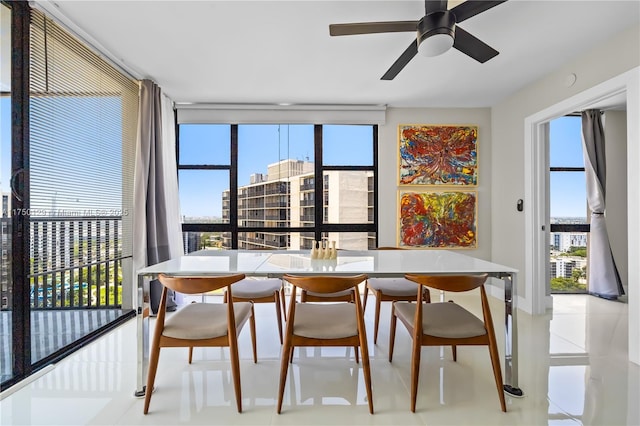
<point x="536" y="217"/>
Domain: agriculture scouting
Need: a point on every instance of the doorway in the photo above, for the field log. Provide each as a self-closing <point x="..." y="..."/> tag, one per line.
<point x="617" y="93"/>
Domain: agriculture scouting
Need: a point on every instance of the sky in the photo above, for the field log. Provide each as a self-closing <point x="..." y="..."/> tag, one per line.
<point x="260" y="145"/>
<point x="568" y="192"/>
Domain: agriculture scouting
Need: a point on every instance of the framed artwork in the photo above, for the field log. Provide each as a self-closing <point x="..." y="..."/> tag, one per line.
<point x="438" y="219"/>
<point x="438" y="154"/>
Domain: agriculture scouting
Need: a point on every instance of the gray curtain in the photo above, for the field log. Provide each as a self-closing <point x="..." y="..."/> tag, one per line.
<point x="157" y="230"/>
<point x="604" y="279"/>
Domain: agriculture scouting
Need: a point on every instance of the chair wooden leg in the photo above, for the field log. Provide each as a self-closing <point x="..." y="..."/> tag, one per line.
<point x="497" y="374"/>
<point x="377" y="318"/>
<point x="287" y="356"/>
<point x="235" y="370"/>
<point x="364" y="298"/>
<point x="284" y="303"/>
<point x="366" y="368"/>
<point x="252" y="328"/>
<point x="279" y="314"/>
<point x="190" y="354"/>
<point x="151" y="376"/>
<point x="392" y="331"/>
<point x="356" y="354"/>
<point x="454" y="351"/>
<point x="415" y="372"/>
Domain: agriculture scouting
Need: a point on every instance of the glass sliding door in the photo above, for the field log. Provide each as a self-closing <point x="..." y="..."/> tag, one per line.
<point x="69" y="198"/>
<point x="6" y="300"/>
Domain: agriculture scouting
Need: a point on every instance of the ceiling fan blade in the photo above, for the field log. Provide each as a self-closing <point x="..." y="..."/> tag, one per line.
<point x="372" y="27"/>
<point x="431" y="6"/>
<point x="468" y="9"/>
<point x="472" y="46"/>
<point x="402" y="61"/>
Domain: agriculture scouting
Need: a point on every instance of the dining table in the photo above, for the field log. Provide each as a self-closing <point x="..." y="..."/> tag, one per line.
<point x="373" y="263"/>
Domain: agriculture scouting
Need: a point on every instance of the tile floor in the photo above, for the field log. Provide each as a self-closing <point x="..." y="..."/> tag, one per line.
<point x="573" y="370"/>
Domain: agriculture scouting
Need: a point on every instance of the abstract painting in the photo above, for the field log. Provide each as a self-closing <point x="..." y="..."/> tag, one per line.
<point x="438" y="219"/>
<point x="438" y="155"/>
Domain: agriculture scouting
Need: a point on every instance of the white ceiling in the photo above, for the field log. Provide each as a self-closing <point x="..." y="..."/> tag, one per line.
<point x="280" y="51"/>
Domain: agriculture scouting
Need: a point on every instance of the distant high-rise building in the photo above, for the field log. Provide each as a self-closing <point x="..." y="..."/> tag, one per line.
<point x="563" y="241"/>
<point x="191" y="241"/>
<point x="5" y="252"/>
<point x="563" y="267"/>
<point x="6" y="204"/>
<point x="284" y="197"/>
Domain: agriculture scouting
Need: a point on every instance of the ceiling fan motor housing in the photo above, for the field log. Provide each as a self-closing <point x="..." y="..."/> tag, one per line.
<point x="440" y="24"/>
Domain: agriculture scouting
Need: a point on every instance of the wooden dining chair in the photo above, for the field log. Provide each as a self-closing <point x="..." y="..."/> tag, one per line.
<point x="325" y="324"/>
<point x="201" y="325"/>
<point x="261" y="290"/>
<point x="390" y="290"/>
<point x="338" y="296"/>
<point x="446" y="324"/>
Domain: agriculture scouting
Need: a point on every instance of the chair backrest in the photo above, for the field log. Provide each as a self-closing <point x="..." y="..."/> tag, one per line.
<point x="196" y="285"/>
<point x="325" y="283"/>
<point x="454" y="283"/>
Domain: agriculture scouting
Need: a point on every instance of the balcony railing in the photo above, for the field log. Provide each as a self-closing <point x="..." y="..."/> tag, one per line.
<point x="76" y="262"/>
<point x="307" y="187"/>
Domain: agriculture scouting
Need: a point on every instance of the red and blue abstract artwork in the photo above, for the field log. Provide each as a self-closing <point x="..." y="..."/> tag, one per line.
<point x="438" y="155"/>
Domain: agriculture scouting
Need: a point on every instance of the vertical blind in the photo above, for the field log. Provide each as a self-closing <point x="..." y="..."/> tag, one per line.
<point x="83" y="124"/>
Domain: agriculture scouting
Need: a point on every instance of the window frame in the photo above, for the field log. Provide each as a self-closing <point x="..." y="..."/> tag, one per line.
<point x="320" y="226"/>
<point x="565" y="227"/>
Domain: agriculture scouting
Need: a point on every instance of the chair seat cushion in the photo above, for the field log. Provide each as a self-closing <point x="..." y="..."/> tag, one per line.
<point x="249" y="288"/>
<point x="325" y="320"/>
<point x="203" y="320"/>
<point x="448" y="320"/>
<point x="336" y="294"/>
<point x="394" y="286"/>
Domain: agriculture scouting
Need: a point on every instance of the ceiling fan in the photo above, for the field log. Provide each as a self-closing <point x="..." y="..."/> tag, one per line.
<point x="437" y="32"/>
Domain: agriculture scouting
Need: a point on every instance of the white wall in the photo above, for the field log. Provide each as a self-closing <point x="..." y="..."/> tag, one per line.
<point x="389" y="163"/>
<point x="593" y="69"/>
<point x="604" y="62"/>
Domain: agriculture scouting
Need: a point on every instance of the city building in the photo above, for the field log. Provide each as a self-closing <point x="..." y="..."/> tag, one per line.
<point x="563" y="241"/>
<point x="284" y="197"/>
<point x="5" y="247"/>
<point x="561" y="267"/>
<point x="191" y="241"/>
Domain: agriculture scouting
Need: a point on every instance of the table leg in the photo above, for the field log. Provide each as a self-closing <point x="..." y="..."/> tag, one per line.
<point x="142" y="331"/>
<point x="511" y="338"/>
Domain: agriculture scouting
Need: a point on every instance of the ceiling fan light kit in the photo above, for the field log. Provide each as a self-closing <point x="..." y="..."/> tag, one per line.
<point x="436" y="32"/>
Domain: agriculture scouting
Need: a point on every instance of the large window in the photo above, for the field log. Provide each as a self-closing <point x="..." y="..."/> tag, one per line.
<point x="277" y="186"/>
<point x="568" y="207"/>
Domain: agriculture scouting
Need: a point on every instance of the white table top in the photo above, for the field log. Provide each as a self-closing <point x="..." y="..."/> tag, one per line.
<point x="370" y="262"/>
